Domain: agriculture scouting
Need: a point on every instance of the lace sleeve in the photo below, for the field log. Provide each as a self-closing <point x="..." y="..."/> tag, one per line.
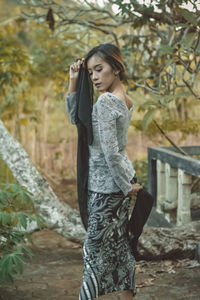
<point x="71" y="104"/>
<point x="107" y="116"/>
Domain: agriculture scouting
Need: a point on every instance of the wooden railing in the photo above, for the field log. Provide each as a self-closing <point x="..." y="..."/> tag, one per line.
<point x="170" y="179"/>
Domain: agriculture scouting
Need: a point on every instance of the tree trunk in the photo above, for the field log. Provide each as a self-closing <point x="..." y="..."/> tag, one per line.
<point x="170" y="243"/>
<point x="58" y="215"/>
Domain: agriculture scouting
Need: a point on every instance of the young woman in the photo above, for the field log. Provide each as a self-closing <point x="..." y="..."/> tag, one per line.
<point x="109" y="265"/>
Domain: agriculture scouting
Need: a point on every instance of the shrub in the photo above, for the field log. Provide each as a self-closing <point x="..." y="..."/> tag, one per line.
<point x="16" y="211"/>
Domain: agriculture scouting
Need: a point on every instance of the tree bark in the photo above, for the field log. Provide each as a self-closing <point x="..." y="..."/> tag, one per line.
<point x="58" y="215"/>
<point x="170" y="243"/>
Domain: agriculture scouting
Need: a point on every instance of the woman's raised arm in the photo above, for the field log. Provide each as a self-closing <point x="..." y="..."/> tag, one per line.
<point x="73" y="75"/>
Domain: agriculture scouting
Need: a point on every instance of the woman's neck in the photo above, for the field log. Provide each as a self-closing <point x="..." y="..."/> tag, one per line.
<point x="117" y="88"/>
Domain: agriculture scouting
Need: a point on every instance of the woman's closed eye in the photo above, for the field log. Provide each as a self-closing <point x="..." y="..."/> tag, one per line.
<point x="98" y="70"/>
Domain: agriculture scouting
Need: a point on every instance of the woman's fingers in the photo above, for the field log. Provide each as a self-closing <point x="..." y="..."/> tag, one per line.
<point x="75" y="67"/>
<point x="80" y="62"/>
<point x="136" y="188"/>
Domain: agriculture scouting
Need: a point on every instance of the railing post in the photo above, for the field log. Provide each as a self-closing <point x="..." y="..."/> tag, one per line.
<point x="171" y="193"/>
<point x="160" y="169"/>
<point x="184" y="195"/>
<point x="152" y="188"/>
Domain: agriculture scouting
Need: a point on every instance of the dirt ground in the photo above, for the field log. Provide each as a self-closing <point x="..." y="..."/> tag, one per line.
<point x="55" y="272"/>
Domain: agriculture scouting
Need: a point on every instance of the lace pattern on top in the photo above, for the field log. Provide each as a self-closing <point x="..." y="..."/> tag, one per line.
<point x="110" y="170"/>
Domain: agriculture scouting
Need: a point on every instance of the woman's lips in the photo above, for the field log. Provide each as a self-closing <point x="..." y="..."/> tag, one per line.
<point x="97" y="85"/>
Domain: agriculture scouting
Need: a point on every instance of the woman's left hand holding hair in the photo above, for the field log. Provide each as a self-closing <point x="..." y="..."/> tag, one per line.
<point x="73" y="75"/>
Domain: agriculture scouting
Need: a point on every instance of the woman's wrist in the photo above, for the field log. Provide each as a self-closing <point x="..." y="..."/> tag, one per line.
<point x="73" y="75"/>
<point x="130" y="192"/>
<point x="72" y="85"/>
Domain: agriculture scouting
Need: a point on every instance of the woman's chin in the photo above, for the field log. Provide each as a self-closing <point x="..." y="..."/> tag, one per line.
<point x="101" y="89"/>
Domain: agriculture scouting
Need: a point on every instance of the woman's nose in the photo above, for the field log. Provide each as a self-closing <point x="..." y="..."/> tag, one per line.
<point x="94" y="76"/>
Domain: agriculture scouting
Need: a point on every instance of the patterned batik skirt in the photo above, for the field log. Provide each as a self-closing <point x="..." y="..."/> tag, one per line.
<point x="109" y="265"/>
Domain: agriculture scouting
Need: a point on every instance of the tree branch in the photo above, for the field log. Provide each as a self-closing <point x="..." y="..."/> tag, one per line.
<point x="191" y="90"/>
<point x="147" y="87"/>
<point x="171" y="142"/>
<point x="101" y="10"/>
<point x="186" y="66"/>
<point x="143" y="10"/>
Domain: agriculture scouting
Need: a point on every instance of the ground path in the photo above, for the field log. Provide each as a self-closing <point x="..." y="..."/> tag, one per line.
<point x="55" y="271"/>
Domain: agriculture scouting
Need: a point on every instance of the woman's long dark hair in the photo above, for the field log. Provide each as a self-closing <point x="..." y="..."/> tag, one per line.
<point x="85" y="138"/>
<point x="112" y="55"/>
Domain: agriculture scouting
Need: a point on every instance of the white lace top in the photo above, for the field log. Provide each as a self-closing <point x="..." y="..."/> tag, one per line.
<point x="110" y="170"/>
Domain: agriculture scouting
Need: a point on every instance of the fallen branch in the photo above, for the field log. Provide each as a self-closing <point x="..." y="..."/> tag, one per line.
<point x="170" y="243"/>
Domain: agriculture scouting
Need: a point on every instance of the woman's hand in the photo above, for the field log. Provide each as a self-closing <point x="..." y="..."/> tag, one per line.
<point x="74" y="68"/>
<point x="136" y="187"/>
<point x="73" y="75"/>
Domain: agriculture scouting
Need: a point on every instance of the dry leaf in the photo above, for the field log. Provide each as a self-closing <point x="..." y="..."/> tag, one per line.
<point x="145" y="282"/>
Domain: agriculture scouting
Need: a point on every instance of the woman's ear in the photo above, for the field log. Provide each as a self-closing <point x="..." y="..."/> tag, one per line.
<point x="116" y="73"/>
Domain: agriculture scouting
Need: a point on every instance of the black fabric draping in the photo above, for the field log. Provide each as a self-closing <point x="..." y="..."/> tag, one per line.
<point x="85" y="138"/>
<point x="141" y="211"/>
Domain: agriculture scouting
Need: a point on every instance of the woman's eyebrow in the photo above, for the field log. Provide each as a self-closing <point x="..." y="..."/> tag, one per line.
<point x="97" y="65"/>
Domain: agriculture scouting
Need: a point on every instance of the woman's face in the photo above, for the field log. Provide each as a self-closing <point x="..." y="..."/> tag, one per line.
<point x="102" y="74"/>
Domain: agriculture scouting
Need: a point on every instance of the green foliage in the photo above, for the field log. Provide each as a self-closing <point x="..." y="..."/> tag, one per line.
<point x="172" y="113"/>
<point x="13" y="61"/>
<point x="16" y="210"/>
<point x="185" y="128"/>
<point x="160" y="42"/>
<point x="15" y="68"/>
<point x="148" y="117"/>
<point x="141" y="168"/>
<point x="5" y="173"/>
<point x="165" y="44"/>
